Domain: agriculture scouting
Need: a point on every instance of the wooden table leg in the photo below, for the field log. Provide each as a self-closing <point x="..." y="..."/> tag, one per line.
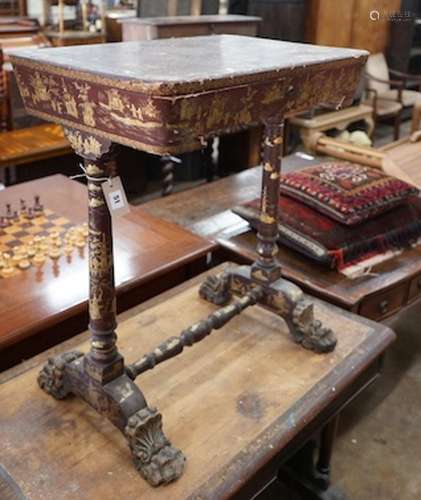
<point x="280" y="296"/>
<point x="266" y="268"/>
<point x="100" y="377"/>
<point x="168" y="166"/>
<point x="327" y="439"/>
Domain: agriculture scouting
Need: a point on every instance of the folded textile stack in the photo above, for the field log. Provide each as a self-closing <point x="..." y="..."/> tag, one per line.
<point x="345" y="216"/>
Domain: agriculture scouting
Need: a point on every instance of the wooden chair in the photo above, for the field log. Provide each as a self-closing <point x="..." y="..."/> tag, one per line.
<point x="5" y="109"/>
<point x="388" y="97"/>
<point x="399" y="158"/>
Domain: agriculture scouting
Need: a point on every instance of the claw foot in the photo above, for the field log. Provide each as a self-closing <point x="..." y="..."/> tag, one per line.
<point x="215" y="289"/>
<point x="310" y="332"/>
<point x="51" y="377"/>
<point x="153" y="455"/>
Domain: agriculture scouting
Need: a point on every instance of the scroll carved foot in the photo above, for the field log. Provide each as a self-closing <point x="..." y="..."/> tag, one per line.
<point x="153" y="455"/>
<point x="310" y="332"/>
<point x="216" y="289"/>
<point x="51" y="378"/>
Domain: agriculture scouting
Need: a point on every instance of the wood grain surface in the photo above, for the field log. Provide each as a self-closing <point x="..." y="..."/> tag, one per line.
<point x="146" y="250"/>
<point x="26" y="145"/>
<point x="231" y="403"/>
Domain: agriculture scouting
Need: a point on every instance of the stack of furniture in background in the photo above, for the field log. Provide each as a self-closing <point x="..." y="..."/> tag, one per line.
<point x="86" y="28"/>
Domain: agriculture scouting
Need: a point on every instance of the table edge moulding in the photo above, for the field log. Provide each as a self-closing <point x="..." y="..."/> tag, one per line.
<point x="169" y="96"/>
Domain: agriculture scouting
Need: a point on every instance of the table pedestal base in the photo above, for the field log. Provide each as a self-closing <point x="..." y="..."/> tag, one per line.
<point x="122" y="402"/>
<point x="280" y="296"/>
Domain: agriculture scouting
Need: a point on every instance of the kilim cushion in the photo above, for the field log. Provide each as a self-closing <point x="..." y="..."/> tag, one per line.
<point x="335" y="245"/>
<point x="347" y="192"/>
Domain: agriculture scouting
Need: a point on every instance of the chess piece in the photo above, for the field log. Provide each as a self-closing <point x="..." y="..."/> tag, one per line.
<point x="9" y="214"/>
<point x="31" y="251"/>
<point x="24" y="264"/>
<point x="16" y="217"/>
<point x="30" y="214"/>
<point x="23" y="209"/>
<point x="16" y="258"/>
<point x="68" y="250"/>
<point x="38" y="208"/>
<point x="3" y="222"/>
<point x="22" y="251"/>
<point x="38" y="259"/>
<point x="8" y="271"/>
<point x="55" y="253"/>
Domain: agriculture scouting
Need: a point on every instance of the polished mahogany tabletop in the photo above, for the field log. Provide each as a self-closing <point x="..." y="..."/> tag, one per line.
<point x="150" y="254"/>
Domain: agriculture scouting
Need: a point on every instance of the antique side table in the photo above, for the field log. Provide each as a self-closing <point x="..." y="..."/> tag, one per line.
<point x="168" y="97"/>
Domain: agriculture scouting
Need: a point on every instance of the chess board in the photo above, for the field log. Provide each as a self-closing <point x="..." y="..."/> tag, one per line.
<point x="23" y="231"/>
<point x="30" y="241"/>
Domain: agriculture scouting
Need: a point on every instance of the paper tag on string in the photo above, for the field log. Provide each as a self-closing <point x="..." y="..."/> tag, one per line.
<point x="115" y="197"/>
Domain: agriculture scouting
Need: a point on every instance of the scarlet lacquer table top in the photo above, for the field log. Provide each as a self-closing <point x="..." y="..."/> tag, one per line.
<point x="163" y="96"/>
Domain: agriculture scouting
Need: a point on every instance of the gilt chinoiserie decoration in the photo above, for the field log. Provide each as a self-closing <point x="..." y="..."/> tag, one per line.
<point x="167" y="97"/>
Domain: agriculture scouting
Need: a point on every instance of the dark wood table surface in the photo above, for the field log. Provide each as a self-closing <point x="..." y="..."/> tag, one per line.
<point x="206" y="211"/>
<point x="151" y="255"/>
<point x="238" y="404"/>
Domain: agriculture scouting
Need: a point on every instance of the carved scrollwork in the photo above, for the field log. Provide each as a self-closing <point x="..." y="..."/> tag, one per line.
<point x="216" y="289"/>
<point x="153" y="455"/>
<point x="51" y="378"/>
<point x="310" y="332"/>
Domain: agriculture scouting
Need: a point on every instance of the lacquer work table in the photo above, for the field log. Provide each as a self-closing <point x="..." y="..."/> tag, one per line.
<point x="169" y="97"/>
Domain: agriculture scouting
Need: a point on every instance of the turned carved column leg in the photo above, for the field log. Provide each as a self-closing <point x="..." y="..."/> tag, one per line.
<point x="103" y="362"/>
<point x="266" y="269"/>
<point x="99" y="377"/>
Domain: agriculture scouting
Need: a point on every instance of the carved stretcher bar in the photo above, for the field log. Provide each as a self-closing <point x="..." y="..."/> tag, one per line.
<point x="166" y="97"/>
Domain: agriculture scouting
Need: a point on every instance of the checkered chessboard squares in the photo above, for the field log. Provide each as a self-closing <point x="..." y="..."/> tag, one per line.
<point x="23" y="231"/>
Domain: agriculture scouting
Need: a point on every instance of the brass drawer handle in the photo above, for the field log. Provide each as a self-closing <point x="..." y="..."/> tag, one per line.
<point x="384" y="306"/>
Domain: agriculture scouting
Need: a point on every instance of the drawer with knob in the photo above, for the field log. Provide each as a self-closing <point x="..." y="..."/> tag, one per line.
<point x="381" y="305"/>
<point x="414" y="288"/>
